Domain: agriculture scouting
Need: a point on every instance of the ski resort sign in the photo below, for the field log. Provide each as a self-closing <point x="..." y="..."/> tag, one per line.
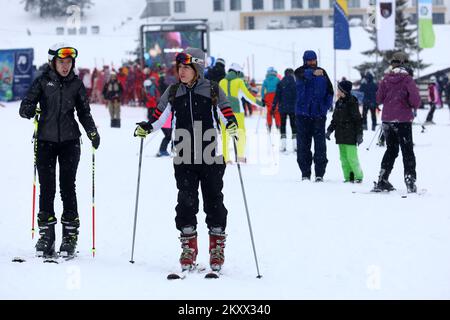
<point x="16" y="73"/>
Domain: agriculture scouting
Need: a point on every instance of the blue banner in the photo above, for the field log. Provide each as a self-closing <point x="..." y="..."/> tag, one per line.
<point x="341" y="26"/>
<point x="16" y="73"/>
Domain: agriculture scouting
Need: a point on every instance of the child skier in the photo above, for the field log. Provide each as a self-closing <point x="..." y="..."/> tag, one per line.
<point x="347" y="123"/>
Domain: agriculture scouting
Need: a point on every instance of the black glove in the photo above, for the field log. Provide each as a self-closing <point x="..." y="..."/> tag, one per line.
<point x="95" y="139"/>
<point x="359" y="139"/>
<point x="328" y="135"/>
<point x="143" y="129"/>
<point x="263" y="102"/>
<point x="28" y="113"/>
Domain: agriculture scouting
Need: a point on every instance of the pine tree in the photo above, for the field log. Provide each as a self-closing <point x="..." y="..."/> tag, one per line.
<point x="405" y="40"/>
<point x="55" y="8"/>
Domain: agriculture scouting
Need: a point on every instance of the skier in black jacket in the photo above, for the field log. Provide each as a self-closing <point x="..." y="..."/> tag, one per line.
<point x="198" y="160"/>
<point x="59" y="93"/>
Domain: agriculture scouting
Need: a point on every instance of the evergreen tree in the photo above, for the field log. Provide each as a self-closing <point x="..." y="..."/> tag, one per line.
<point x="55" y="8"/>
<point x="405" y="40"/>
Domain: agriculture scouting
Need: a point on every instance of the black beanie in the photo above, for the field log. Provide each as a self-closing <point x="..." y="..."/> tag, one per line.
<point x="345" y="86"/>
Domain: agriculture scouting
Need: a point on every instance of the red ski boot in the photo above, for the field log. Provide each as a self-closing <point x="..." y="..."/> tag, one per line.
<point x="189" y="254"/>
<point x="216" y="249"/>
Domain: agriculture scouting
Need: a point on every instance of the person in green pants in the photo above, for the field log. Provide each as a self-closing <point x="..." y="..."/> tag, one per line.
<point x="347" y="124"/>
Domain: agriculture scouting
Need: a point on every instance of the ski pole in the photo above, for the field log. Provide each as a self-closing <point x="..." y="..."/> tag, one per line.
<point x="376" y="134"/>
<point x="246" y="210"/>
<point x="137" y="199"/>
<point x="33" y="206"/>
<point x="93" y="202"/>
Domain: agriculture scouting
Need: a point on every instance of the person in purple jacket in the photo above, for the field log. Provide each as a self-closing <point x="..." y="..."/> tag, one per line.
<point x="400" y="98"/>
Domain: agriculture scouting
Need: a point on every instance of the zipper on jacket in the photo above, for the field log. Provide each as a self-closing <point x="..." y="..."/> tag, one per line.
<point x="59" y="113"/>
<point x="192" y="120"/>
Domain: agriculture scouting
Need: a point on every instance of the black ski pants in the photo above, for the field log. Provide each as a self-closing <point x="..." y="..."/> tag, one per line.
<point x="373" y="113"/>
<point x="398" y="135"/>
<point x="210" y="178"/>
<point x="166" y="140"/>
<point x="67" y="154"/>
<point x="284" y="117"/>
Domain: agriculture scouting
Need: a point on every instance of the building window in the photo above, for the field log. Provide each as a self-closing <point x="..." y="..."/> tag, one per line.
<point x="438" y="18"/>
<point x="314" y="4"/>
<point x="235" y="5"/>
<point x="258" y="4"/>
<point x="179" y="6"/>
<point x="354" y="3"/>
<point x="438" y="2"/>
<point x="278" y="4"/>
<point x="218" y="5"/>
<point x="297" y="4"/>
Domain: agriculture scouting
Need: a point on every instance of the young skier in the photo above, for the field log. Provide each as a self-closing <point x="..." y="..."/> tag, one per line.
<point x="59" y="93"/>
<point x="347" y="123"/>
<point x="195" y="104"/>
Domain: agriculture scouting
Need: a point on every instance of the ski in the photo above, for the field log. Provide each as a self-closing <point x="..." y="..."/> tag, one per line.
<point x="212" y="274"/>
<point x="419" y="192"/>
<point x="56" y="258"/>
<point x="183" y="273"/>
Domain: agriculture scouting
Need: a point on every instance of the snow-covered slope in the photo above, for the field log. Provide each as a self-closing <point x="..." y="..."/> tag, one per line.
<point x="313" y="240"/>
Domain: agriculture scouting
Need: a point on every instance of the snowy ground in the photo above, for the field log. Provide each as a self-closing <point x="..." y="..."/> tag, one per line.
<point x="313" y="240"/>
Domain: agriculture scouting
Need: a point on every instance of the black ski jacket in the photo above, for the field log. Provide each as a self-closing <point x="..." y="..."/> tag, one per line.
<point x="58" y="98"/>
<point x="347" y="121"/>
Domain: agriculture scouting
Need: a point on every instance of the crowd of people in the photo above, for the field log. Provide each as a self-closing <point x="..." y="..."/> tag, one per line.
<point x="216" y="100"/>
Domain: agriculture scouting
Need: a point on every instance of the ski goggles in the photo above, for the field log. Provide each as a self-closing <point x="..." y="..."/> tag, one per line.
<point x="64" y="52"/>
<point x="186" y="58"/>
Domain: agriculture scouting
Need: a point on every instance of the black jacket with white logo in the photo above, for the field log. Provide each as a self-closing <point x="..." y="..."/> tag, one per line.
<point x="58" y="98"/>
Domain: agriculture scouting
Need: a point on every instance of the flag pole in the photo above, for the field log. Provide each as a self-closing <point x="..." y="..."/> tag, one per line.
<point x="418" y="40"/>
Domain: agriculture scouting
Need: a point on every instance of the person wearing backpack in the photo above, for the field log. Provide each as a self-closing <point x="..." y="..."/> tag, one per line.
<point x="195" y="104"/>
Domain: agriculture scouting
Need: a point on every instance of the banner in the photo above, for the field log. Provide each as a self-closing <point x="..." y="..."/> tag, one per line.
<point x="16" y="73"/>
<point x="341" y="27"/>
<point x="425" y="22"/>
<point x="385" y="15"/>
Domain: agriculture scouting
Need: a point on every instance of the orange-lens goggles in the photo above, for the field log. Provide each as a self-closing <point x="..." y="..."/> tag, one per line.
<point x="185" y="58"/>
<point x="65" y="53"/>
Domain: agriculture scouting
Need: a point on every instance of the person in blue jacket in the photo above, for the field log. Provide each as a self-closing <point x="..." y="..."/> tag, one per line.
<point x="369" y="88"/>
<point x="314" y="99"/>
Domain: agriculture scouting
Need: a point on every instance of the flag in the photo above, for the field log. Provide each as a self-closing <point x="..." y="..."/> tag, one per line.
<point x="341" y="27"/>
<point x="426" y="33"/>
<point x="385" y="15"/>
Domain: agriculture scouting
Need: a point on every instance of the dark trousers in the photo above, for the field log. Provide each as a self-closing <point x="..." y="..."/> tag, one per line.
<point x="398" y="135"/>
<point x="284" y="117"/>
<point x="210" y="178"/>
<point x="431" y="112"/>
<point x="165" y="141"/>
<point x="308" y="129"/>
<point x="373" y="114"/>
<point x="67" y="154"/>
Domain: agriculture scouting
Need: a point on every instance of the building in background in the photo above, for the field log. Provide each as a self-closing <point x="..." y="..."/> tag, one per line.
<point x="272" y="14"/>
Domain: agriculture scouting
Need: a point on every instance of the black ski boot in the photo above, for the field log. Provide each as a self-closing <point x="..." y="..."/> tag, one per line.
<point x="70" y="223"/>
<point x="410" y="182"/>
<point x="45" y="246"/>
<point x="383" y="183"/>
